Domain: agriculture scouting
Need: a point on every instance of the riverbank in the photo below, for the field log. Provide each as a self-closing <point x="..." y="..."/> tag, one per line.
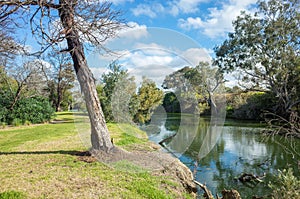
<point x="49" y="161"/>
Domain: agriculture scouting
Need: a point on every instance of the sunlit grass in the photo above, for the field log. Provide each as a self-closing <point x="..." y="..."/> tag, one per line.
<point x="39" y="161"/>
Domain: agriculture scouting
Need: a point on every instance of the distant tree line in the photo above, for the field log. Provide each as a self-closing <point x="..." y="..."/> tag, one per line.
<point x="122" y="101"/>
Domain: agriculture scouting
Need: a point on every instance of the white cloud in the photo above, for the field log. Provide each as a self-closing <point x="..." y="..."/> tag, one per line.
<point x="196" y="55"/>
<point x="117" y="2"/>
<point x="173" y="7"/>
<point x="134" y="31"/>
<point x="97" y="72"/>
<point x="185" y="6"/>
<point x="144" y="9"/>
<point x="219" y="21"/>
<point x="155" y="61"/>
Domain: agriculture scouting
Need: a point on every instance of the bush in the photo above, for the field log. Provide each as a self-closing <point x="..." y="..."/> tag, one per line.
<point x="34" y="110"/>
<point x="26" y="110"/>
<point x="16" y="122"/>
<point x="286" y="185"/>
<point x="249" y="105"/>
<point x="2" y="125"/>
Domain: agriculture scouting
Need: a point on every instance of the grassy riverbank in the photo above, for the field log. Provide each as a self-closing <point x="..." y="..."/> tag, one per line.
<point x="45" y="161"/>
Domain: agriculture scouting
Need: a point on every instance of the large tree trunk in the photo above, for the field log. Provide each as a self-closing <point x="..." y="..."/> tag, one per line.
<point x="100" y="137"/>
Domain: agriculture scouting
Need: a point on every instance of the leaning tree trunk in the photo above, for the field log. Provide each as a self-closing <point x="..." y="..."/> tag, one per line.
<point x="100" y="137"/>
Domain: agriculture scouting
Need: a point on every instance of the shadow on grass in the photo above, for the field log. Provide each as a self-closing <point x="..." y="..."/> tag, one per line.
<point x="73" y="113"/>
<point x="74" y="153"/>
<point x="63" y="121"/>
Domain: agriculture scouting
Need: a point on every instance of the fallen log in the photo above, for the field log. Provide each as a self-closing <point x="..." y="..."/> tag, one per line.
<point x="166" y="139"/>
<point x="227" y="194"/>
<point x="207" y="193"/>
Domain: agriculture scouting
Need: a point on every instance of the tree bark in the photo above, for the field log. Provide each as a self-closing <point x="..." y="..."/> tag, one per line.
<point x="100" y="138"/>
<point x="58" y="92"/>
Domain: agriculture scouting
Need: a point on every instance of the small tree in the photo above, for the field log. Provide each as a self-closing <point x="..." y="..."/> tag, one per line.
<point x="118" y="88"/>
<point x="149" y="98"/>
<point x="60" y="78"/>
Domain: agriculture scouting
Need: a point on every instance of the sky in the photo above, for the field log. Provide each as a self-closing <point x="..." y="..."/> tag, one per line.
<point x="165" y="36"/>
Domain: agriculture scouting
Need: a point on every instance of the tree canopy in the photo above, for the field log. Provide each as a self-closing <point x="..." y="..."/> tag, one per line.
<point x="195" y="84"/>
<point x="264" y="51"/>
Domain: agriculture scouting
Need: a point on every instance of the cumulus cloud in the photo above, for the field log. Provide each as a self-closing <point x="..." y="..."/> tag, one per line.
<point x="152" y="59"/>
<point x="117" y="2"/>
<point x="185" y="6"/>
<point x="174" y="7"/>
<point x="134" y="31"/>
<point x="196" y="55"/>
<point x="155" y="61"/>
<point x="219" y="21"/>
<point x="145" y="9"/>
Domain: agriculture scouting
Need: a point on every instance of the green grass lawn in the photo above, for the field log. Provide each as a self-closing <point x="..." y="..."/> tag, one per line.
<point x="40" y="161"/>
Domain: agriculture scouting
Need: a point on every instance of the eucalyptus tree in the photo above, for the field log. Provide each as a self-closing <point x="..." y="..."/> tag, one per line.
<point x="265" y="49"/>
<point x="118" y="90"/>
<point x="201" y="81"/>
<point x="74" y="22"/>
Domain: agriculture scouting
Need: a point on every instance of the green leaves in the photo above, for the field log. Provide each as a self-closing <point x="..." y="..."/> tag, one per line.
<point x="264" y="48"/>
<point x="149" y="97"/>
<point x="119" y="99"/>
<point x="33" y="110"/>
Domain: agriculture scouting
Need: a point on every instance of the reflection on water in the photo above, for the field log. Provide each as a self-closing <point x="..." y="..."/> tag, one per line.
<point x="218" y="156"/>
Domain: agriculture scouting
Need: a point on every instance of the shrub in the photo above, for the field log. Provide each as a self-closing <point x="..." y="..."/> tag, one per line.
<point x="249" y="105"/>
<point x="16" y="122"/>
<point x="26" y="110"/>
<point x="286" y="185"/>
<point x="28" y="123"/>
<point x="2" y="125"/>
<point x="34" y="110"/>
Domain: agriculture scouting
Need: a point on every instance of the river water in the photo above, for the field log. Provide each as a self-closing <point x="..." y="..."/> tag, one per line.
<point x="219" y="154"/>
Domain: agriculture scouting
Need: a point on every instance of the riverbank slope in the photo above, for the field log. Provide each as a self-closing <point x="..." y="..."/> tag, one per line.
<point x="49" y="161"/>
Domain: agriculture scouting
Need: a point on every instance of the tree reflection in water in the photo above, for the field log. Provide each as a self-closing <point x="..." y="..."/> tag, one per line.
<point x="238" y="150"/>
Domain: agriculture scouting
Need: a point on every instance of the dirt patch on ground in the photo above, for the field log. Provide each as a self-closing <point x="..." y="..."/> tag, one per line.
<point x="157" y="162"/>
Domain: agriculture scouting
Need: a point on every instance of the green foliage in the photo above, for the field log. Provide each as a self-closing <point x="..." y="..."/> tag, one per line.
<point x="34" y="110"/>
<point x="171" y="103"/>
<point x="16" y="122"/>
<point x="149" y="97"/>
<point x="119" y="100"/>
<point x="116" y="93"/>
<point x="12" y="195"/>
<point x="194" y="87"/>
<point x="2" y="125"/>
<point x="286" y="185"/>
<point x="264" y="51"/>
<point x="27" y="110"/>
<point x="249" y="105"/>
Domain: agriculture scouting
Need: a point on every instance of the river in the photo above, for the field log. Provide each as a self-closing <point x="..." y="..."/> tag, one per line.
<point x="219" y="154"/>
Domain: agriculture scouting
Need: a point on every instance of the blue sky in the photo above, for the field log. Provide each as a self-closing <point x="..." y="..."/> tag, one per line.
<point x="164" y="36"/>
<point x="168" y="35"/>
<point x="206" y="21"/>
